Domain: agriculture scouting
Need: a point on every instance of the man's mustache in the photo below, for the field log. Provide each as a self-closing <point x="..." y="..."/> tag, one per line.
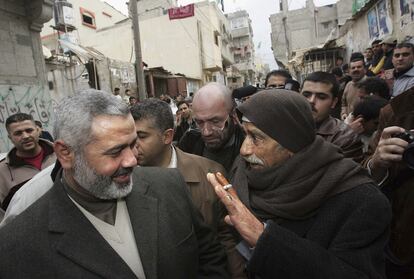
<point x="253" y="159"/>
<point x="122" y="171"/>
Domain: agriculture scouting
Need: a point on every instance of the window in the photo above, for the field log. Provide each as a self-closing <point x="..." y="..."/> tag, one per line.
<point x="88" y="18"/>
<point x="378" y="20"/>
<point x="216" y="39"/>
<point x="326" y="24"/>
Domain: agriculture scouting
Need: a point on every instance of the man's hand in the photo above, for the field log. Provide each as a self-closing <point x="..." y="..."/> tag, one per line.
<point x="249" y="227"/>
<point x="356" y="124"/>
<point x="389" y="149"/>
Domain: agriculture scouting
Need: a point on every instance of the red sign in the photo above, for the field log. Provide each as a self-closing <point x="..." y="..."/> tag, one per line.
<point x="181" y="12"/>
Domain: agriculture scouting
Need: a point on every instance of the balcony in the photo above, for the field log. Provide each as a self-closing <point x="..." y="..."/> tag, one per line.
<point x="240" y="32"/>
<point x="245" y="66"/>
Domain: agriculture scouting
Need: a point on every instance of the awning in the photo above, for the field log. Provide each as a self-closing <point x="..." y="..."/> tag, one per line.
<point x="83" y="52"/>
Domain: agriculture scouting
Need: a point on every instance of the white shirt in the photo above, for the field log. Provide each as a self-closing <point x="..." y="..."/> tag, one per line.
<point x="120" y="236"/>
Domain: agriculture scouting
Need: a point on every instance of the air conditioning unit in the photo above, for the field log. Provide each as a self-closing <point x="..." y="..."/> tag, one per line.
<point x="63" y="14"/>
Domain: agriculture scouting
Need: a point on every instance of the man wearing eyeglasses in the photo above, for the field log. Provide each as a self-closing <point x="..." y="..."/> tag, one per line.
<point x="218" y="136"/>
<point x="403" y="60"/>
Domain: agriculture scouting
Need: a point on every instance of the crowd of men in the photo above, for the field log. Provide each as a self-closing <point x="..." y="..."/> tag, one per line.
<point x="320" y="180"/>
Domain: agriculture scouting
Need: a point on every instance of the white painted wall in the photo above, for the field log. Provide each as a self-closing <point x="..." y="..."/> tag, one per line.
<point x="84" y="32"/>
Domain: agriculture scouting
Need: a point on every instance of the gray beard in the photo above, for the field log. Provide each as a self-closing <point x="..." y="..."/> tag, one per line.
<point x="100" y="186"/>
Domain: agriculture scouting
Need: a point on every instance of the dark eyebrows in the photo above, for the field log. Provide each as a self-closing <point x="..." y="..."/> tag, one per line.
<point x="315" y="93"/>
<point x="115" y="149"/>
<point x="27" y="130"/>
<point x="254" y="131"/>
<point x="210" y="119"/>
<point x="119" y="147"/>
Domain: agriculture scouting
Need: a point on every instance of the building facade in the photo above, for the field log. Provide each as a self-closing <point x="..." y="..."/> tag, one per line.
<point x="23" y="85"/>
<point x="302" y="29"/>
<point x="192" y="41"/>
<point x="87" y="17"/>
<point x="244" y="55"/>
<point x="373" y="20"/>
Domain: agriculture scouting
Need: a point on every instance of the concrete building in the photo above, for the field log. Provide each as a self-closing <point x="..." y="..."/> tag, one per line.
<point x="376" y="20"/>
<point x="88" y="17"/>
<point x="68" y="73"/>
<point x="242" y="34"/>
<point x="297" y="30"/>
<point x="197" y="47"/>
<point x="23" y="85"/>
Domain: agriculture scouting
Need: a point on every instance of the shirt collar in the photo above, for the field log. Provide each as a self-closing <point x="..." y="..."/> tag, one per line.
<point x="173" y="161"/>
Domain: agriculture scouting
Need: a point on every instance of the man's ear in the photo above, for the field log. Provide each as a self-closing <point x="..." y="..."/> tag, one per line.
<point x="64" y="154"/>
<point x="168" y="136"/>
<point x="335" y="100"/>
<point x="39" y="130"/>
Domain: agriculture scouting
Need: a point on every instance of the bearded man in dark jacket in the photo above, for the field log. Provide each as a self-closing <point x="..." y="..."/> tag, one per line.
<point x="302" y="209"/>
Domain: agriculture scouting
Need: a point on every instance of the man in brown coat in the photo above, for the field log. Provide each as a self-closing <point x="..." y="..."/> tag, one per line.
<point x="155" y="129"/>
<point x="391" y="172"/>
<point x="357" y="72"/>
<point x="27" y="158"/>
<point x="321" y="89"/>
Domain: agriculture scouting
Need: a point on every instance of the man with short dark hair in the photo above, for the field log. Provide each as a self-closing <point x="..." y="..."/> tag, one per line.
<point x="185" y="120"/>
<point x="388" y="45"/>
<point x="373" y="86"/>
<point x="301" y="208"/>
<point x="368" y="110"/>
<point x="403" y="60"/>
<point x="155" y="128"/>
<point x="219" y="135"/>
<point x="377" y="61"/>
<point x="28" y="157"/>
<point x="321" y="90"/>
<point x="370" y="86"/>
<point x="357" y="73"/>
<point x="277" y="79"/>
<point x="368" y="54"/>
<point x="104" y="217"/>
<point x="117" y="93"/>
<point x="132" y="101"/>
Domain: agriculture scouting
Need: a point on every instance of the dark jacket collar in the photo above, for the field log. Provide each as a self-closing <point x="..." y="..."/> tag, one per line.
<point x="74" y="236"/>
<point x="403" y="103"/>
<point x="185" y="165"/>
<point x="327" y="127"/>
